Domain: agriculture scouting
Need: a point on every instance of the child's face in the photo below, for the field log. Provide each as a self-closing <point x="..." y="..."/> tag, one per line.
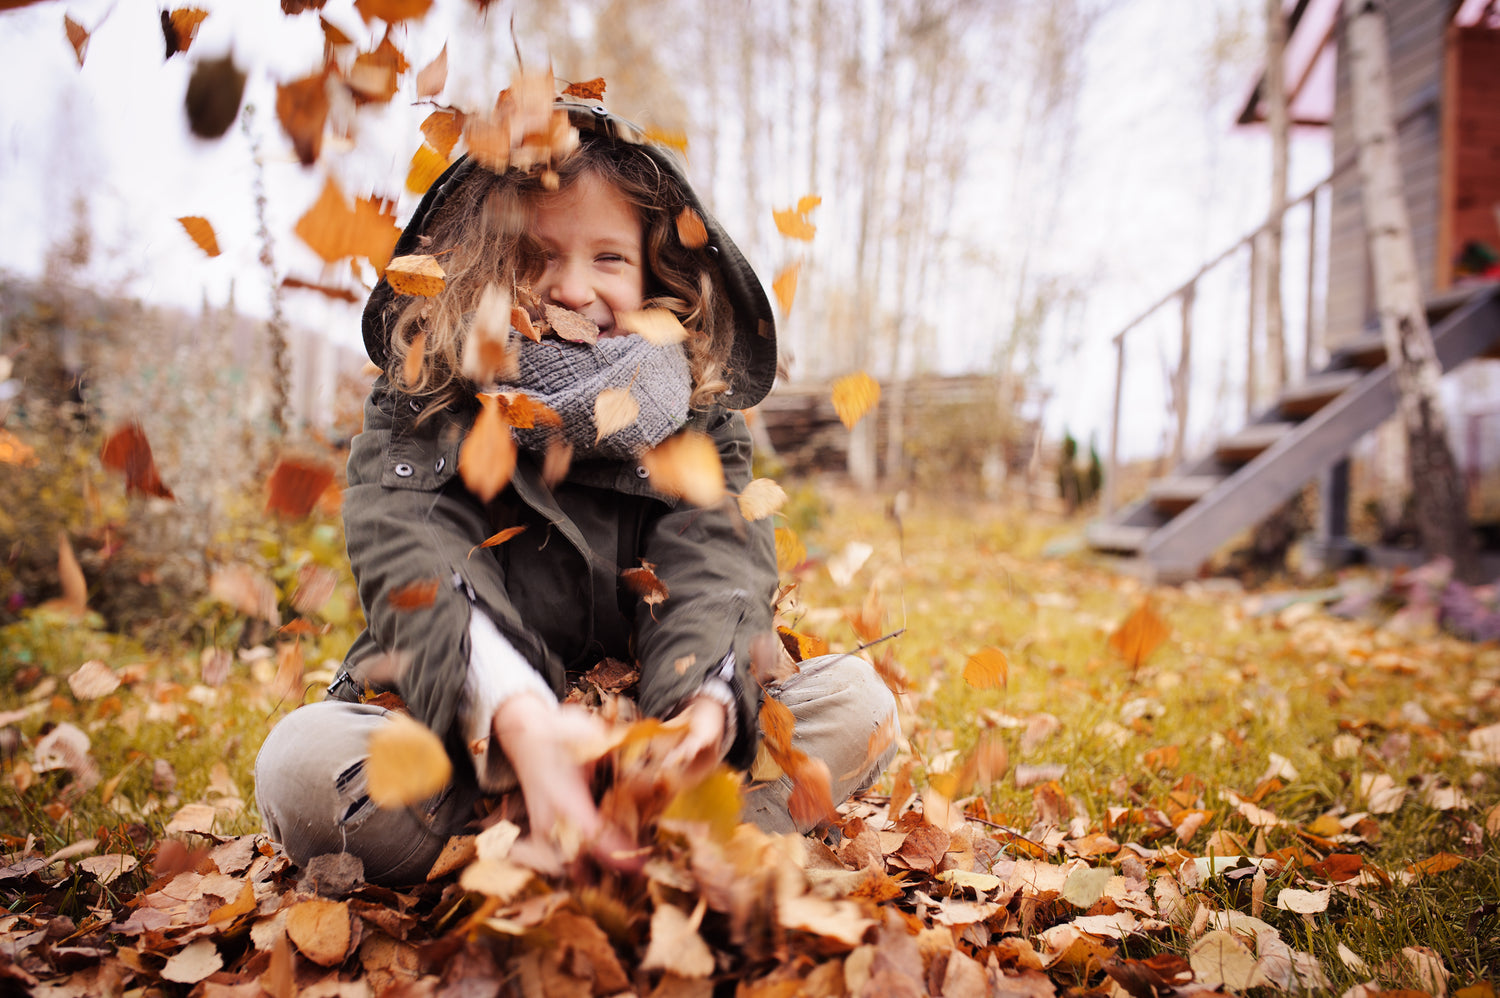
<point x="593" y="248"/>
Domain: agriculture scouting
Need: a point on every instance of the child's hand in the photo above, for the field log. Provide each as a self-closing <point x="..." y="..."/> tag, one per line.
<point x="540" y="744"/>
<point x="702" y="747"/>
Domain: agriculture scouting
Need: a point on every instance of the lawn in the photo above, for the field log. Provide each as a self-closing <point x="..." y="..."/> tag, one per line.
<point x="1101" y="789"/>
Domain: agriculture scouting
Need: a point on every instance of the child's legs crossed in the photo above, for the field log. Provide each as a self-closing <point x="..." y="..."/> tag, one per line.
<point x="310" y="785"/>
<point x="837" y="702"/>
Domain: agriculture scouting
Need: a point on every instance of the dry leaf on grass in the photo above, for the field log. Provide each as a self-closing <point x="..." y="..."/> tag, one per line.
<point x="320" y="930"/>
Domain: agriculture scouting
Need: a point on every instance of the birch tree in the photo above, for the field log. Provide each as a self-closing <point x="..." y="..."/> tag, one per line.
<point x="1439" y="505"/>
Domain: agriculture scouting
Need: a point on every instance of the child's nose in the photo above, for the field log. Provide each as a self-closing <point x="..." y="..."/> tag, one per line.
<point x="570" y="287"/>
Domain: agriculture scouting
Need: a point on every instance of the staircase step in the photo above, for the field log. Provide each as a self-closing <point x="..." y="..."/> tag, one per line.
<point x="1302" y="400"/>
<point x="1246" y="444"/>
<point x="1117" y="537"/>
<point x="1364" y="352"/>
<point x="1173" y="495"/>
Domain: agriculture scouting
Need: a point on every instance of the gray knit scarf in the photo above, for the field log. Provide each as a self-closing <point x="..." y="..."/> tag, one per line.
<point x="568" y="377"/>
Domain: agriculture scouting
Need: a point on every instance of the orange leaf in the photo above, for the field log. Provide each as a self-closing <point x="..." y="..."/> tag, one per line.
<point x="587" y="90"/>
<point x="691" y="231"/>
<point x="881" y="739"/>
<point x="802" y="646"/>
<point x="1140" y="635"/>
<point x="987" y="669"/>
<point x="812" y="789"/>
<point x="495" y="540"/>
<point x="776" y="725"/>
<point x="785" y="287"/>
<point x="78" y="37"/>
<point x="333" y="230"/>
<point x="432" y="77"/>
<point x="392" y="11"/>
<point x="794" y="223"/>
<point x="644" y="583"/>
<point x="202" y="233"/>
<point x="375" y="76"/>
<point x="414" y="595"/>
<point x="1440" y="863"/>
<point x="524" y="412"/>
<point x="686" y="465"/>
<point x="302" y="109"/>
<point x="761" y="498"/>
<point x="442" y="129"/>
<point x="295" y="486"/>
<point x="671" y="139"/>
<point x="179" y="27"/>
<point x="14" y="450"/>
<point x="487" y="458"/>
<point x="127" y="450"/>
<point x="320" y="930"/>
<point x="427" y="164"/>
<point x="411" y="367"/>
<point x="854" y="395"/>
<point x="328" y="290"/>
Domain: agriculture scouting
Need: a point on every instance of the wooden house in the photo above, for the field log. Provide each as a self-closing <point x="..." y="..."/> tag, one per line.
<point x="1444" y="71"/>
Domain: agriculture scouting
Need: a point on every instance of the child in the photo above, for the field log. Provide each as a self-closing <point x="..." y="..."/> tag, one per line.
<point x="513" y="626"/>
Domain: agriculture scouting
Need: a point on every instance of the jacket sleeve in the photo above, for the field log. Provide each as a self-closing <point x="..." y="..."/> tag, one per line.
<point x="410" y="524"/>
<point x="720" y="573"/>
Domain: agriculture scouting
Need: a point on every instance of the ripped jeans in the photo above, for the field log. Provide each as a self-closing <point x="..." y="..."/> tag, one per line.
<point x="310" y="773"/>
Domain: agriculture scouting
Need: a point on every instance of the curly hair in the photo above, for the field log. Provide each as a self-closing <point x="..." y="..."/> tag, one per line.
<point x="482" y="235"/>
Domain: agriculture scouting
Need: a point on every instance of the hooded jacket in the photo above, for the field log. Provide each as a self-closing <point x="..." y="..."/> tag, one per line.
<point x="555" y="590"/>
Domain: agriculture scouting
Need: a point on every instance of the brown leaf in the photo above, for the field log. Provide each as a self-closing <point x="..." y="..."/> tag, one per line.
<point x="686" y="465"/>
<point x="320" y="929"/>
<point x="691" y="231"/>
<point x="569" y="325"/>
<point x="794" y="223"/>
<point x="296" y="485"/>
<point x="78" y="37"/>
<point x="785" y="286"/>
<point x="392" y="11"/>
<point x="315" y="585"/>
<point x="127" y="450"/>
<point x="202" y="233"/>
<point x="644" y="583"/>
<point x="442" y="129"/>
<point x="179" y="27"/>
<point x="1140" y="635"/>
<point x="1438" y="863"/>
<point x="1154" y="977"/>
<point x="854" y="395"/>
<point x="75" y="591"/>
<point x="213" y="96"/>
<point x="375" y="76"/>
<point x="487" y="458"/>
<point x="416" y="274"/>
<point x="245" y="589"/>
<point x="407" y="763"/>
<point x="587" y="89"/>
<point x="432" y="77"/>
<point x="327" y="290"/>
<point x="987" y="669"/>
<point x="302" y="109"/>
<point x="414" y="595"/>
<point x="494" y="540"/>
<point x="924" y="847"/>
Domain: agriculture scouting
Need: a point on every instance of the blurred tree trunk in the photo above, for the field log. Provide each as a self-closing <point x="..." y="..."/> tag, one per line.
<point x="1439" y="504"/>
<point x="1276" y="119"/>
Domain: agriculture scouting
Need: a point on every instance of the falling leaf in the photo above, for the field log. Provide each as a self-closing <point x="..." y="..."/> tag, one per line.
<point x="375" y="76"/>
<point x="812" y="789"/>
<point x="569" y="325"/>
<point x="411" y="364"/>
<point x="334" y="230"/>
<point x="802" y="646"/>
<point x="675" y="945"/>
<point x="414" y="595"/>
<point x="1140" y="635"/>
<point x="691" y="231"/>
<point x="854" y="395"/>
<point x="202" y="233"/>
<point x="75" y="595"/>
<point x="128" y="451"/>
<point x="785" y="286"/>
<point x="246" y="590"/>
<point x="794" y="223"/>
<point x="657" y="326"/>
<point x="487" y="458"/>
<point x="586" y="90"/>
<point x="302" y="109"/>
<point x="488" y="356"/>
<point x="442" y="129"/>
<point x="427" y="164"/>
<point x="392" y="11"/>
<point x="416" y="274"/>
<point x="790" y="551"/>
<point x="615" y="409"/>
<point x="670" y="138"/>
<point x="524" y="412"/>
<point x="761" y="498"/>
<point x="78" y="37"/>
<point x="432" y="77"/>
<point x="644" y="583"/>
<point x="14" y="450"/>
<point x="213" y="96"/>
<point x="987" y="669"/>
<point x="295" y="486"/>
<point x="494" y="540"/>
<point x="686" y="465"/>
<point x="407" y="763"/>
<point x="179" y="27"/>
<point x="327" y="290"/>
<point x="92" y="680"/>
<point x="320" y="929"/>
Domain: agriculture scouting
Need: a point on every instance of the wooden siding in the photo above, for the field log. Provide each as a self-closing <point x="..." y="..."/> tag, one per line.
<point x="1416" y="32"/>
<point x="1471" y="195"/>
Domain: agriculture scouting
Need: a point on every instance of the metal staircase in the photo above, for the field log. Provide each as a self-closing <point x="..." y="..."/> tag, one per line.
<point x="1186" y="516"/>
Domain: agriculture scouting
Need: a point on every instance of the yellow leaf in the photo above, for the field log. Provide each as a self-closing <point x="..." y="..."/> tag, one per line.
<point x="657" y="326"/>
<point x="14" y="450"/>
<point x="807" y="203"/>
<point x="761" y="498"/>
<point x="793" y="222"/>
<point x="406" y="764"/>
<point x="987" y="669"/>
<point x="1140" y="635"/>
<point x="417" y="274"/>
<point x="487" y="458"/>
<point x="202" y="233"/>
<point x="671" y="139"/>
<point x="686" y="465"/>
<point x="427" y="164"/>
<point x="790" y="551"/>
<point x="614" y="410"/>
<point x="714" y="801"/>
<point x="854" y="395"/>
<point x="785" y="287"/>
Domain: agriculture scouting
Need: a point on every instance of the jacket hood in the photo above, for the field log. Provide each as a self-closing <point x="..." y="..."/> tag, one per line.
<point x="751" y="365"/>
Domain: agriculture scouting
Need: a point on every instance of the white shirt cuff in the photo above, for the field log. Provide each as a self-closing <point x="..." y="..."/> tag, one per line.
<point x="496" y="673"/>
